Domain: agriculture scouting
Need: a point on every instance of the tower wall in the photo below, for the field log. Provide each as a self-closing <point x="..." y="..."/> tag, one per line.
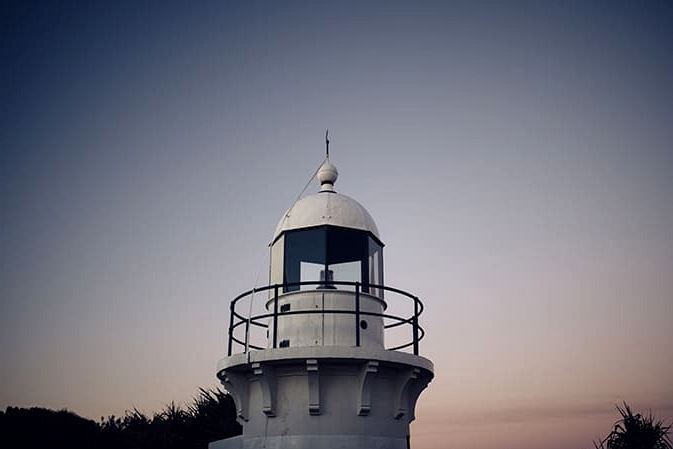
<point x="322" y="326"/>
<point x="299" y="402"/>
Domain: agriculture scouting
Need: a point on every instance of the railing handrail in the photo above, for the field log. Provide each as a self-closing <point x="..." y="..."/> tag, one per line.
<point x="236" y="319"/>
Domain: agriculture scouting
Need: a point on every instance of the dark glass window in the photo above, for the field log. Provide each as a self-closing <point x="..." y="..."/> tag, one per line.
<point x="331" y="254"/>
<point x="375" y="264"/>
<point x="304" y="250"/>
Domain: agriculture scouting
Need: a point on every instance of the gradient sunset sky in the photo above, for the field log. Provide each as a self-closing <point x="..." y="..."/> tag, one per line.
<point x="516" y="156"/>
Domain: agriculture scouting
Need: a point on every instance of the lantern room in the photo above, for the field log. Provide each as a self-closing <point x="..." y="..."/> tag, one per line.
<point x="326" y="237"/>
<point x="325" y="247"/>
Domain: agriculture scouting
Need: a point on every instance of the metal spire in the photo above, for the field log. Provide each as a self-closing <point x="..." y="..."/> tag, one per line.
<point x="327" y="143"/>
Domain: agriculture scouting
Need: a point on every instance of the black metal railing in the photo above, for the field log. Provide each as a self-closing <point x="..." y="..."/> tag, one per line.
<point x="240" y="321"/>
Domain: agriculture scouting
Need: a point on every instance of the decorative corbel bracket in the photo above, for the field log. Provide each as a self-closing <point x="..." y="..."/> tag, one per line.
<point x="266" y="376"/>
<point x="238" y="386"/>
<point x="313" y="376"/>
<point x="405" y="379"/>
<point x="415" y="391"/>
<point x="365" y="381"/>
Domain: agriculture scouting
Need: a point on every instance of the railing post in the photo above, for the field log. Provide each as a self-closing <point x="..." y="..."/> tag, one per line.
<point x="357" y="314"/>
<point x="415" y="321"/>
<point x="275" y="316"/>
<point x="231" y="327"/>
<point x="247" y="335"/>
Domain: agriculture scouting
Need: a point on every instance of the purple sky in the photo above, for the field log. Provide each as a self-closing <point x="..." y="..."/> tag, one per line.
<point x="516" y="156"/>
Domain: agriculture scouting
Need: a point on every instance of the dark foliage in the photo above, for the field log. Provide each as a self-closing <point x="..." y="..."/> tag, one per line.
<point x="45" y="428"/>
<point x="636" y="431"/>
<point x="210" y="417"/>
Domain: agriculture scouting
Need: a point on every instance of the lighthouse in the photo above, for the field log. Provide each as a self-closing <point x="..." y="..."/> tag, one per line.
<point x="325" y="363"/>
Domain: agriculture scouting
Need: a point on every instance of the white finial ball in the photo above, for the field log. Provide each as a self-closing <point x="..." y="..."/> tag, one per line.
<point x="327" y="174"/>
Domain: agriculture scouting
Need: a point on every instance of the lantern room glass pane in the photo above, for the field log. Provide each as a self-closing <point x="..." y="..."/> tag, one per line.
<point x="302" y="246"/>
<point x="327" y="254"/>
<point x="346" y="271"/>
<point x="375" y="265"/>
<point x="310" y="272"/>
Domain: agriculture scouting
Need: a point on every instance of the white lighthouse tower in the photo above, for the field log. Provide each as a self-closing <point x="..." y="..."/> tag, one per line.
<point x="321" y="374"/>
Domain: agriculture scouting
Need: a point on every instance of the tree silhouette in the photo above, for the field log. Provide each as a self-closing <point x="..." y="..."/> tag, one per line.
<point x="45" y="428"/>
<point x="210" y="417"/>
<point x="213" y="416"/>
<point x="636" y="431"/>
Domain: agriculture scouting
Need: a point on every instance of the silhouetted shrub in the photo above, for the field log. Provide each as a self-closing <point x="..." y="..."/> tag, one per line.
<point x="20" y="428"/>
<point x="211" y="416"/>
<point x="636" y="431"/>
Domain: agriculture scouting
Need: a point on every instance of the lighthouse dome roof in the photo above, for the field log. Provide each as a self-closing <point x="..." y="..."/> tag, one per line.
<point x="327" y="207"/>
